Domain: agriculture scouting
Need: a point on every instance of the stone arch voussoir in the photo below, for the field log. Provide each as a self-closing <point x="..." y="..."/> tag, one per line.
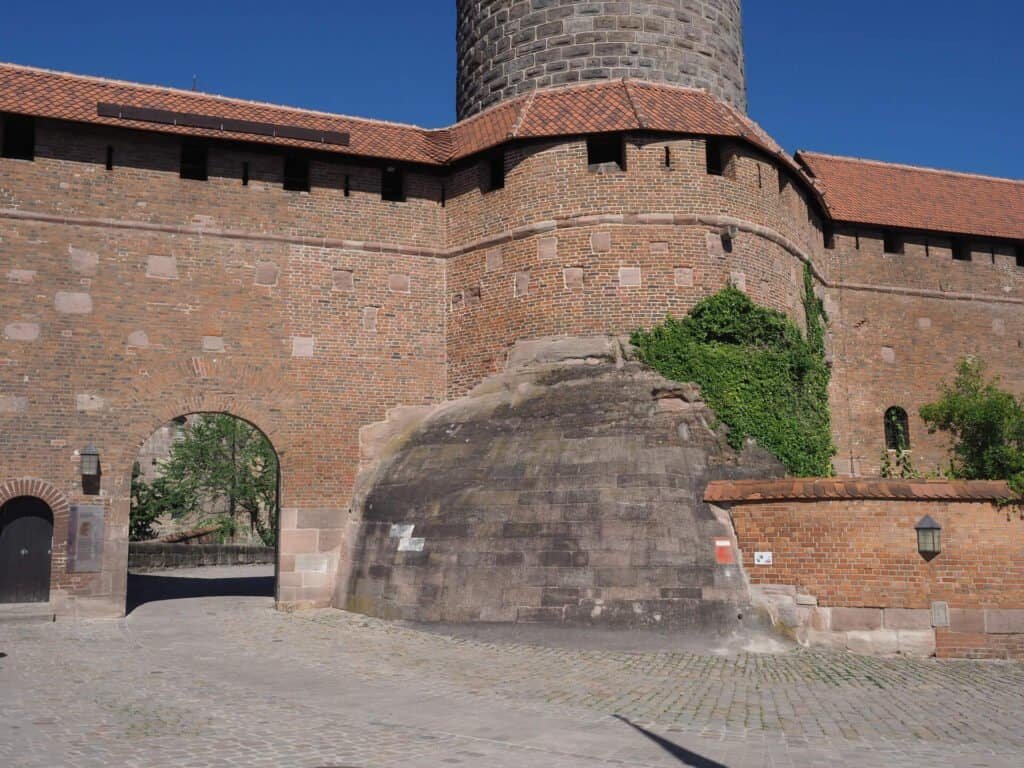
<point x="40" y="489"/>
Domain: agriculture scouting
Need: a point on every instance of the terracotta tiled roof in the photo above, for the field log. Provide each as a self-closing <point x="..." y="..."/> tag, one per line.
<point x="798" y="489"/>
<point x="62" y="96"/>
<point x="886" y="195"/>
<point x="616" y="105"/>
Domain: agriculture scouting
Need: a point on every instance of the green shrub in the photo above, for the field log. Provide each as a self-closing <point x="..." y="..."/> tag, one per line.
<point x="762" y="377"/>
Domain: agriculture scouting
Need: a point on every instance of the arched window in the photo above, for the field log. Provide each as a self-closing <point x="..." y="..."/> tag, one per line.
<point x="897" y="429"/>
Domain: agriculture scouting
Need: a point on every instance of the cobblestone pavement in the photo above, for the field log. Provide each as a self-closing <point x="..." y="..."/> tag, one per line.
<point x="227" y="681"/>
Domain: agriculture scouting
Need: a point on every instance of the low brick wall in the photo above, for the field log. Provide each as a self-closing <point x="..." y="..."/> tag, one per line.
<point x="845" y="569"/>
<point x="157" y="555"/>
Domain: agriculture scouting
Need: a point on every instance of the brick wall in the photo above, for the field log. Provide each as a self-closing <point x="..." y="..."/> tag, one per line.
<point x="900" y="324"/>
<point x="862" y="554"/>
<point x="132" y="296"/>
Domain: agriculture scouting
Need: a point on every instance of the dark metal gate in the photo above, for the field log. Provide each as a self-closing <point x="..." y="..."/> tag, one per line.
<point x="26" y="545"/>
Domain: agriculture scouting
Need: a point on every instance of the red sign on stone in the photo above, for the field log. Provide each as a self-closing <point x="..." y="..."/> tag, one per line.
<point x="723" y="552"/>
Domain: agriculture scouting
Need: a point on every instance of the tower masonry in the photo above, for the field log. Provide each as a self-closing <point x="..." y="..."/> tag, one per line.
<point x="509" y="47"/>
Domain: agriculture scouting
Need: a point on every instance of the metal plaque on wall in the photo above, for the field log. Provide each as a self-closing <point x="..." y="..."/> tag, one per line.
<point x="85" y="539"/>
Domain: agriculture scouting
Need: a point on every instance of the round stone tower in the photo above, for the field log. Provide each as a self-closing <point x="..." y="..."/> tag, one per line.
<point x="508" y="47"/>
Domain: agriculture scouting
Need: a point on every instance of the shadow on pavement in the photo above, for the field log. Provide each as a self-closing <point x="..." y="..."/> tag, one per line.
<point x="685" y="756"/>
<point x="146" y="588"/>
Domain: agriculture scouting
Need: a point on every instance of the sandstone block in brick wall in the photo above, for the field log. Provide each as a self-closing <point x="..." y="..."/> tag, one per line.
<point x="13" y="404"/>
<point x="573" y="277"/>
<point x="72" y="303"/>
<point x="629" y="277"/>
<point x="138" y="339"/>
<point x="918" y="644"/>
<point x="601" y="242"/>
<point x="521" y="284"/>
<point x="89" y="403"/>
<point x="303" y="346"/>
<point x="266" y="274"/>
<point x="213" y="343"/>
<point x="1004" y="621"/>
<point x="21" y="331"/>
<point x="21" y="276"/>
<point x="344" y="280"/>
<point x="370" y="318"/>
<point x="876" y="643"/>
<point x="82" y="261"/>
<point x="888" y="355"/>
<point x="547" y="248"/>
<point x="683" y="277"/>
<point x="905" y="618"/>
<point x="924" y="323"/>
<point x="399" y="283"/>
<point x="162" y="267"/>
<point x="856" y="619"/>
<point x="966" y="620"/>
<point x="494" y="260"/>
<point x="738" y="280"/>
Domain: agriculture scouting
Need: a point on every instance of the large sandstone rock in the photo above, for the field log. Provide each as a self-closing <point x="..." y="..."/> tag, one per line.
<point x="563" y="490"/>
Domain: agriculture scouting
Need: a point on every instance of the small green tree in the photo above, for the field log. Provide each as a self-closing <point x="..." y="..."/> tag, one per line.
<point x="985" y="424"/>
<point x="221" y="465"/>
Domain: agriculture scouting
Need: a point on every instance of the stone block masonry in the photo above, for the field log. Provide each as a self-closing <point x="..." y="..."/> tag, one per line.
<point x="507" y="48"/>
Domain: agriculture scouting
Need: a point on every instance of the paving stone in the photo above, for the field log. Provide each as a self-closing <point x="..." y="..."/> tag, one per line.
<point x="228" y="681"/>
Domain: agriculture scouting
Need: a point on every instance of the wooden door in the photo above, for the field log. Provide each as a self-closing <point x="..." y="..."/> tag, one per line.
<point x="26" y="546"/>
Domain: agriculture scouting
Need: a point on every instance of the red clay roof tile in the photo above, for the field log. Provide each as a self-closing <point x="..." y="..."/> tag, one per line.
<point x="887" y="195"/>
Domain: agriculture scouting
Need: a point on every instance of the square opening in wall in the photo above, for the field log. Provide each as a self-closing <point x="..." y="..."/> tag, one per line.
<point x="1018" y="254"/>
<point x="296" y="174"/>
<point x="606" y="152"/>
<point x="892" y="243"/>
<point x="19" y="138"/>
<point x="961" y="250"/>
<point x="495" y="168"/>
<point x="715" y="157"/>
<point x="392" y="187"/>
<point x="193" y="161"/>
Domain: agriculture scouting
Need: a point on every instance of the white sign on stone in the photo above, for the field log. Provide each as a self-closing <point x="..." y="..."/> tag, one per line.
<point x="763" y="558"/>
<point x="411" y="545"/>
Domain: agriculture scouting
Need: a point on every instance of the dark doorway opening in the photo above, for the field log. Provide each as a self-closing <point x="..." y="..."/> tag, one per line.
<point x="26" y="550"/>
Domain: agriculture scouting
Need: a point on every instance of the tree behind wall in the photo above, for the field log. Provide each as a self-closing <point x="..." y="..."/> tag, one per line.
<point x="221" y="467"/>
<point x="985" y="423"/>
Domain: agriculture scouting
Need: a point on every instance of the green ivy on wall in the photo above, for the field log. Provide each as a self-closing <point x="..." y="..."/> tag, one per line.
<point x="762" y="377"/>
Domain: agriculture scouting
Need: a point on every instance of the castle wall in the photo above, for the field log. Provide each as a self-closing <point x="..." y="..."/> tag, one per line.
<point x="868" y="588"/>
<point x="132" y="296"/>
<point x="508" y="47"/>
<point x="565" y="249"/>
<point x="900" y="325"/>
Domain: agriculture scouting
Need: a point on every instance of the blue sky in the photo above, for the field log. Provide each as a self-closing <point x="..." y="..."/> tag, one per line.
<point x="929" y="82"/>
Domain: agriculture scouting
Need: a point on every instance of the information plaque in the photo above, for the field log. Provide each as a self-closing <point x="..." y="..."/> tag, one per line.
<point x="85" y="539"/>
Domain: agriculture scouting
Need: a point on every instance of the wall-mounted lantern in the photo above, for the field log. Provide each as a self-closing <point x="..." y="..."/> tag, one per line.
<point x="90" y="469"/>
<point x="929" y="538"/>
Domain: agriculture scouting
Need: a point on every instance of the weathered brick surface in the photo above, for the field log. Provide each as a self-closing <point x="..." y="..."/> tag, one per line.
<point x="859" y="557"/>
<point x="901" y="322"/>
<point x="507" y="48"/>
<point x="183" y="316"/>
